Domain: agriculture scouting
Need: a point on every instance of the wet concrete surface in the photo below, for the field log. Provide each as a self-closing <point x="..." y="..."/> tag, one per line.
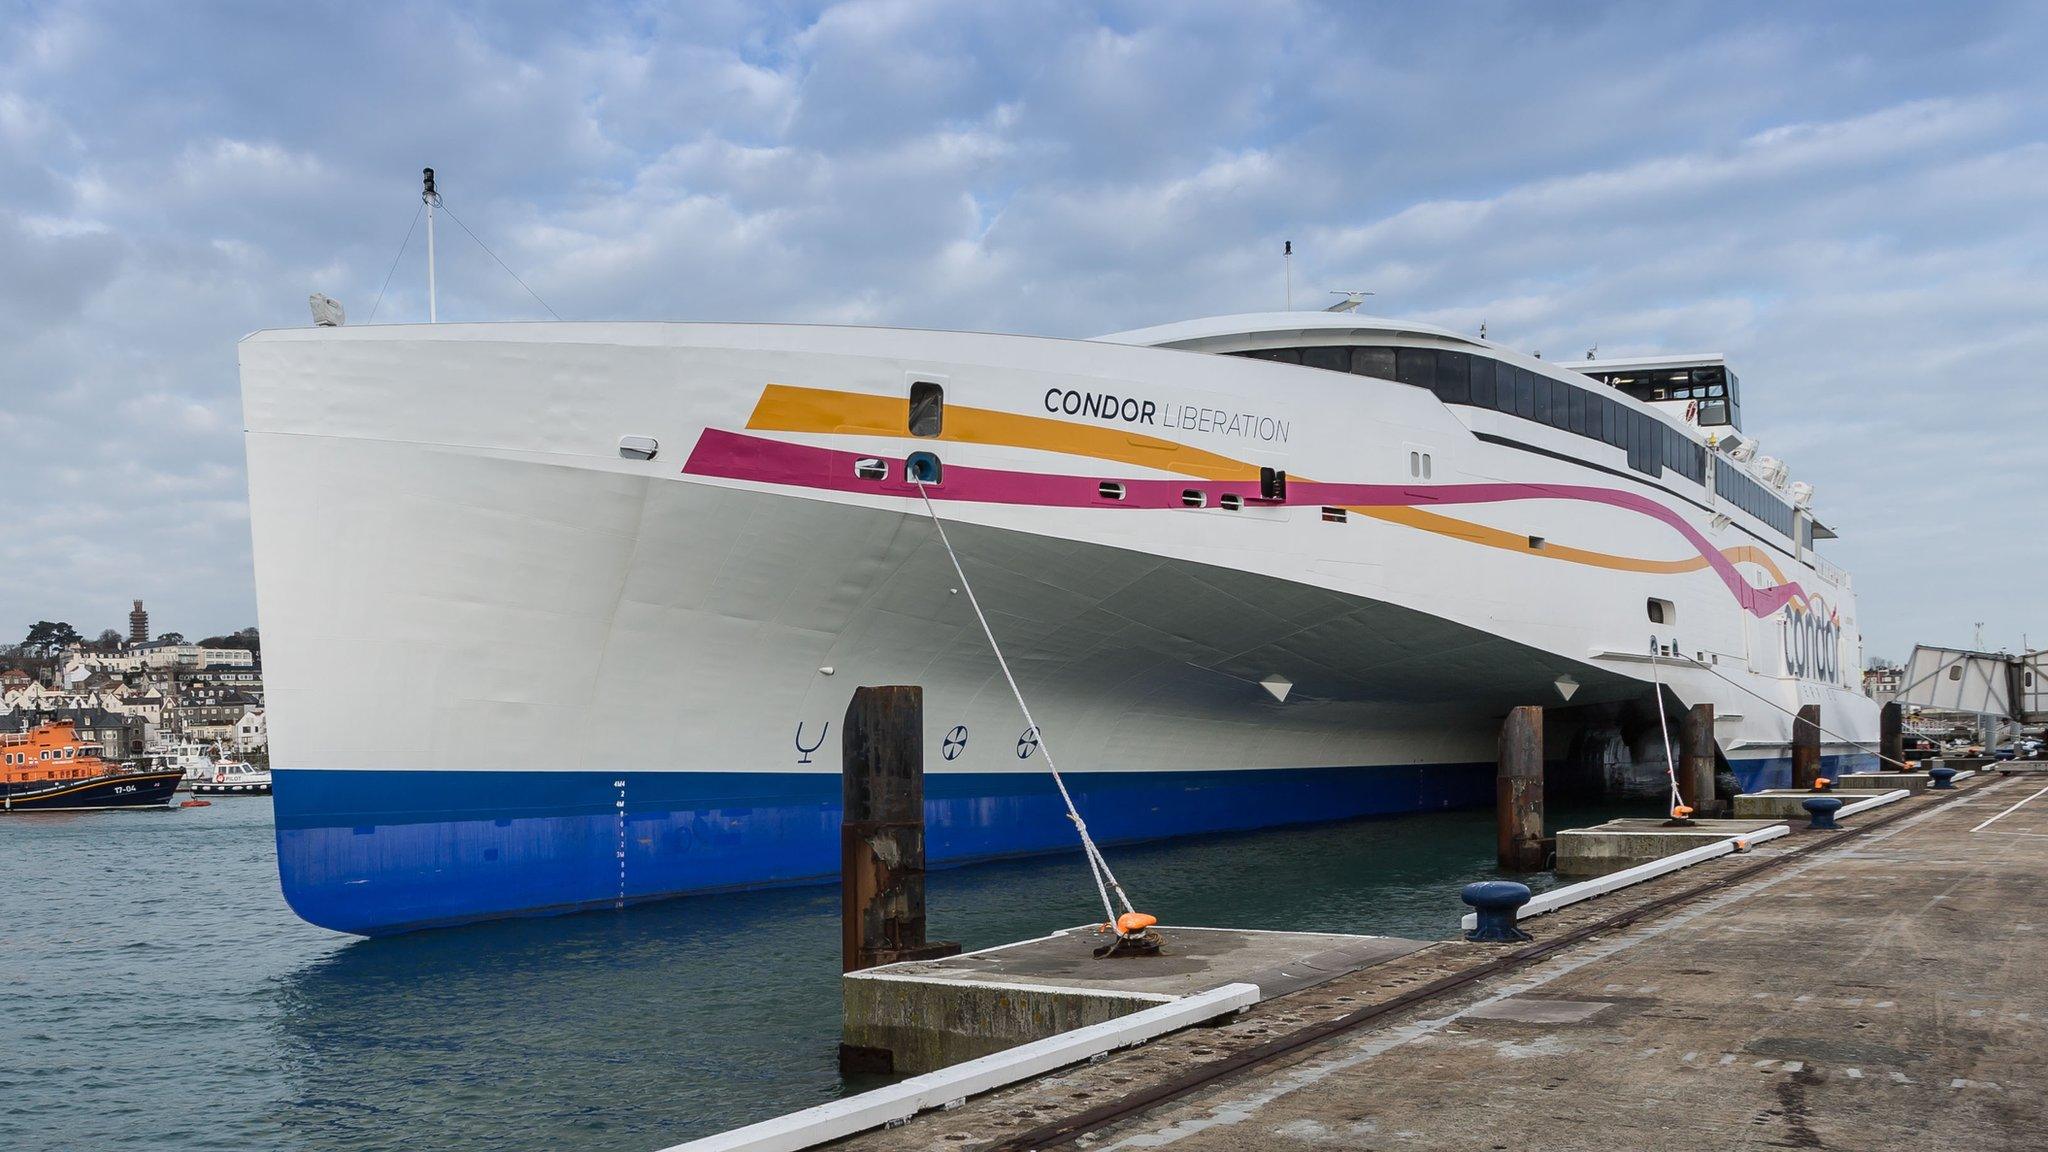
<point x="1884" y="992"/>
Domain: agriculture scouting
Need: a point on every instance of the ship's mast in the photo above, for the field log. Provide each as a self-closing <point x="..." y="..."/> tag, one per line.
<point x="430" y="198"/>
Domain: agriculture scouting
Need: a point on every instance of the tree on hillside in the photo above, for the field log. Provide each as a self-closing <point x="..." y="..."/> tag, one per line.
<point x="171" y="638"/>
<point x="246" y="639"/>
<point x="47" y="638"/>
<point x="109" y="641"/>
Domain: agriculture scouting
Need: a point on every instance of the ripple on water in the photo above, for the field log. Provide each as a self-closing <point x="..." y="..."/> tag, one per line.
<point x="167" y="999"/>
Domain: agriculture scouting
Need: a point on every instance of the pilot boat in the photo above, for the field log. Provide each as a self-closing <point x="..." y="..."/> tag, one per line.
<point x="232" y="778"/>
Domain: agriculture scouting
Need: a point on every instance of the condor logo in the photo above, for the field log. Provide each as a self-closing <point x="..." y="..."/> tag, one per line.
<point x="1101" y="405"/>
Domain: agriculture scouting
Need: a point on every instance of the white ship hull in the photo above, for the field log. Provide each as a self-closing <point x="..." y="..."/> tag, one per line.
<point x="511" y="671"/>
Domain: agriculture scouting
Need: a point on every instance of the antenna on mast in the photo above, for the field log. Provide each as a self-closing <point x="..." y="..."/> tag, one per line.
<point x="1287" y="259"/>
<point x="429" y="197"/>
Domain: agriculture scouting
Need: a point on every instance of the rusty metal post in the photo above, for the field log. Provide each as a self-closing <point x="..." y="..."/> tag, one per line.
<point x="1891" y="737"/>
<point x="1806" y="747"/>
<point x="881" y="831"/>
<point x="1696" y="761"/>
<point x="1518" y="791"/>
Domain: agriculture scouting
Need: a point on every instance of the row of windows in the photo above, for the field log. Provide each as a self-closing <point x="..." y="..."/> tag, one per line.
<point x="1737" y="487"/>
<point x="46" y="754"/>
<point x="1462" y="378"/>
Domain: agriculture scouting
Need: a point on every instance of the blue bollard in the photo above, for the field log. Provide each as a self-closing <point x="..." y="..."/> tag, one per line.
<point x="1496" y="902"/>
<point x="1944" y="776"/>
<point x="1822" y="809"/>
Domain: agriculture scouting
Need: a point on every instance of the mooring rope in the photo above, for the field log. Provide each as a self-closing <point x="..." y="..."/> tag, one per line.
<point x="1098" y="867"/>
<point x="1789" y="712"/>
<point x="1664" y="732"/>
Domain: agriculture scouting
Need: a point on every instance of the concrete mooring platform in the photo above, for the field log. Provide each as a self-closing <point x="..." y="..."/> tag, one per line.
<point x="1620" y="844"/>
<point x="1784" y="803"/>
<point x="922" y="1015"/>
<point x="1871" y="988"/>
<point x="1914" y="782"/>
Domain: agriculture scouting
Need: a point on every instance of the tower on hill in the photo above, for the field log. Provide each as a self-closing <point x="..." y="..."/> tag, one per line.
<point x="138" y="624"/>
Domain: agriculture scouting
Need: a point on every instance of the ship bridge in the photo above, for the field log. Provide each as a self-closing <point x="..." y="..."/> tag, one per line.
<point x="1699" y="389"/>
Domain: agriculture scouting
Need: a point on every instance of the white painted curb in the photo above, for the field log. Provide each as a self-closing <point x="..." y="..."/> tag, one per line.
<point x="898" y="1102"/>
<point x="1869" y="802"/>
<point x="1571" y="894"/>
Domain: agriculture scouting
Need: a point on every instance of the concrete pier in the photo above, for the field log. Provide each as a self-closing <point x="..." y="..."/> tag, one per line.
<point x="1872" y="989"/>
<point x="935" y="1013"/>
<point x="1620" y="844"/>
<point x="1914" y="782"/>
<point x="1784" y="803"/>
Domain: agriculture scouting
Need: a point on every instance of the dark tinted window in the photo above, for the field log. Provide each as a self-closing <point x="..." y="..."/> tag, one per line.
<point x="1283" y="355"/>
<point x="1526" y="404"/>
<point x="1454" y="377"/>
<point x="1332" y="359"/>
<point x="1483" y="391"/>
<point x="1579" y="421"/>
<point x="927" y="408"/>
<point x="1560" y="405"/>
<point x="1415" y="366"/>
<point x="1377" y="362"/>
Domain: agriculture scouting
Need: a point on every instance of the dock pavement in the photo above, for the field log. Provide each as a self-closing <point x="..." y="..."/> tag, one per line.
<point x="1880" y="987"/>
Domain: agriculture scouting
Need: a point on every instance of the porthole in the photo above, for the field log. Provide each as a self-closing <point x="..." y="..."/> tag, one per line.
<point x="1110" y="490"/>
<point x="1194" y="498"/>
<point x="1662" y="611"/>
<point x="1335" y="515"/>
<point x="923" y="468"/>
<point x="1231" y="502"/>
<point x="869" y="468"/>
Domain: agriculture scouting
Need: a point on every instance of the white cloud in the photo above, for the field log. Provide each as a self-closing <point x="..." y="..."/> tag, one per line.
<point x="1844" y="202"/>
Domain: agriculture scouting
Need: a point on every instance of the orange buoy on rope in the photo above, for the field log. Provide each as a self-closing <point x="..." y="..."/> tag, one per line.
<point x="1680" y="812"/>
<point x="195" y="804"/>
<point x="1131" y="922"/>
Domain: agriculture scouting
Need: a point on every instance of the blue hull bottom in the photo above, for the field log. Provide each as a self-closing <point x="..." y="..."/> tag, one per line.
<point x="1757" y="775"/>
<point x="380" y="852"/>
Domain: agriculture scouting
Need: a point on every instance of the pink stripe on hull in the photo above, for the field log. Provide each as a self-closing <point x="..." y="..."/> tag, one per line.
<point x="735" y="456"/>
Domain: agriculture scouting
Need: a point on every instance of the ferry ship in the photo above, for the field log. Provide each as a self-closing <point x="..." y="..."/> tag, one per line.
<point x="606" y="589"/>
<point x="50" y="768"/>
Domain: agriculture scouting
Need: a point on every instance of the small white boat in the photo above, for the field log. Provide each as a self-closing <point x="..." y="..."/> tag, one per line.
<point x="234" y="778"/>
<point x="189" y="757"/>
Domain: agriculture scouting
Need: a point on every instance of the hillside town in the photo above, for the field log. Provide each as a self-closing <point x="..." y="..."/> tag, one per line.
<point x="135" y="695"/>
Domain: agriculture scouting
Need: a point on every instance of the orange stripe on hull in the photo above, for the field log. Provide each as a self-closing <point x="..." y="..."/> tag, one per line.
<point x="789" y="408"/>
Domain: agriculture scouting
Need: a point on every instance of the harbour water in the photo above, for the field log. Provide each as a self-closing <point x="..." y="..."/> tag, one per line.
<point x="161" y="996"/>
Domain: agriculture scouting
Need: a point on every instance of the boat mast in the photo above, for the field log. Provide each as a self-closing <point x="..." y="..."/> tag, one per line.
<point x="429" y="197"/>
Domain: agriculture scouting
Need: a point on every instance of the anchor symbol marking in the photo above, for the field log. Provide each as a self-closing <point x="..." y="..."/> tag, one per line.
<point x="805" y="758"/>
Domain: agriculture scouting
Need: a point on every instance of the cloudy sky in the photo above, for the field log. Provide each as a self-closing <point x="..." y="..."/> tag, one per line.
<point x="1846" y="200"/>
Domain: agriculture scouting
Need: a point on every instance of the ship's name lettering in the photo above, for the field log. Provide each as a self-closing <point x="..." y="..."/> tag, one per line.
<point x="1183" y="417"/>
